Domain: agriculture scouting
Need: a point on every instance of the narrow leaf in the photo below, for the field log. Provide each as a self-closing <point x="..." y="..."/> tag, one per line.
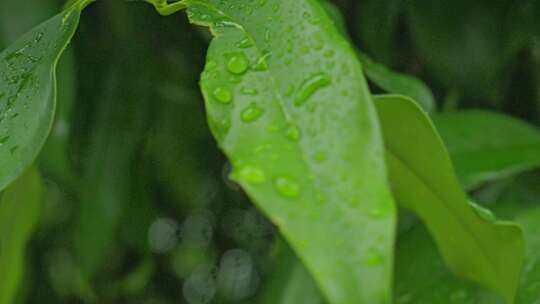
<point x="28" y="91"/>
<point x="294" y="115"/>
<point x="489" y="253"/>
<point x="19" y="213"/>
<point x="485" y="145"/>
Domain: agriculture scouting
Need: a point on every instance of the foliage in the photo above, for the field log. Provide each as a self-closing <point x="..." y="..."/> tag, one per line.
<point x="243" y="153"/>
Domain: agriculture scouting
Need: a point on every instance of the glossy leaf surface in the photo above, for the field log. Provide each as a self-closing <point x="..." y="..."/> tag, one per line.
<point x="19" y="214"/>
<point x="419" y="259"/>
<point x="28" y="91"/>
<point x="423" y="180"/>
<point x="275" y="109"/>
<point x="486" y="145"/>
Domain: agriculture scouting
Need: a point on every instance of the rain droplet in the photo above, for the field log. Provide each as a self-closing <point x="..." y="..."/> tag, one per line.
<point x="249" y="91"/>
<point x="287" y="187"/>
<point x="262" y="64"/>
<point x="289" y="90"/>
<point x="293" y="133"/>
<point x="310" y="86"/>
<point x="4" y="140"/>
<point x="238" y="64"/>
<point x="251" y="113"/>
<point x="245" y="43"/>
<point x="252" y="175"/>
<point x="223" y="95"/>
<point x="374" y="257"/>
<point x="320" y="156"/>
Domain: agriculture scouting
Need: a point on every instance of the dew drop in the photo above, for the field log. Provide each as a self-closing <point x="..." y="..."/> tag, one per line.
<point x="251" y="113"/>
<point x="249" y="91"/>
<point x="289" y="90"/>
<point x="238" y="64"/>
<point x="293" y="133"/>
<point x="320" y="156"/>
<point x="4" y="140"/>
<point x="374" y="257"/>
<point x="245" y="43"/>
<point x="252" y="175"/>
<point x="223" y="95"/>
<point x="310" y="86"/>
<point x="287" y="187"/>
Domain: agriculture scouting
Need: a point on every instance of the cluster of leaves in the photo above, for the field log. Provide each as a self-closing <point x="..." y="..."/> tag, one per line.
<point x="353" y="181"/>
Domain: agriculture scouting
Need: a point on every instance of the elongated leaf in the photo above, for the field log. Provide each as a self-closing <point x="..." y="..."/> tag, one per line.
<point x="398" y="83"/>
<point x="28" y="91"/>
<point x="421" y="276"/>
<point x="19" y="213"/>
<point x="116" y="137"/>
<point x="294" y="115"/>
<point x="290" y="282"/>
<point x="486" y="145"/>
<point x="423" y="180"/>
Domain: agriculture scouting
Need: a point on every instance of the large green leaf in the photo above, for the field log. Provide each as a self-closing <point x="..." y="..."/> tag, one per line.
<point x="28" y="91"/>
<point x="290" y="107"/>
<point x="19" y="214"/>
<point x="423" y="180"/>
<point x="487" y="145"/>
<point x="422" y="278"/>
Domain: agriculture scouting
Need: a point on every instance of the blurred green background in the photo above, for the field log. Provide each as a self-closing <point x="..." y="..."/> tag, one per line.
<point x="138" y="207"/>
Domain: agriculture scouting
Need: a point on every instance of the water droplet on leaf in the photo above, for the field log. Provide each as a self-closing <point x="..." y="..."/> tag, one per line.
<point x="310" y="86"/>
<point x="223" y="95"/>
<point x="238" y="64"/>
<point x="287" y="187"/>
<point x="251" y="113"/>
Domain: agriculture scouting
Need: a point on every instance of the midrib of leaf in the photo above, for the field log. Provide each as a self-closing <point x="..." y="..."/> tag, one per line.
<point x="446" y="204"/>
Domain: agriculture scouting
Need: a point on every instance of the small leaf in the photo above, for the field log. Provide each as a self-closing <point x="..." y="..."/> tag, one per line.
<point x="28" y="91"/>
<point x="323" y="184"/>
<point x="398" y="83"/>
<point x="487" y="252"/>
<point x="19" y="214"/>
<point x="485" y="145"/>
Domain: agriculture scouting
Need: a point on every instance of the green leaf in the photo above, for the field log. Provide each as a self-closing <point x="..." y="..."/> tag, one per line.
<point x="294" y="115"/>
<point x="290" y="282"/>
<point x="28" y="91"/>
<point x="398" y="83"/>
<point x="485" y="145"/>
<point x="19" y="214"/>
<point x="423" y="180"/>
<point x="115" y="141"/>
<point x="418" y="258"/>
